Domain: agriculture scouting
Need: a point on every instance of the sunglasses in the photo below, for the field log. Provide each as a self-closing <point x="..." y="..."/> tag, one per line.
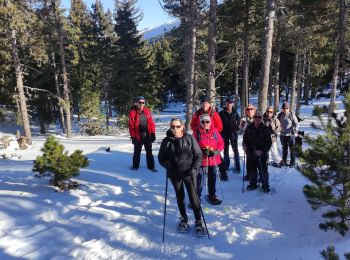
<point x="140" y="102"/>
<point x="175" y="126"/>
<point x="269" y="111"/>
<point x="249" y="109"/>
<point x="285" y="107"/>
<point x="259" y="117"/>
<point x="205" y="122"/>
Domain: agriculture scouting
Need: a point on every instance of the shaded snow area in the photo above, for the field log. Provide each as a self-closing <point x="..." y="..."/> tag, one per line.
<point x="118" y="213"/>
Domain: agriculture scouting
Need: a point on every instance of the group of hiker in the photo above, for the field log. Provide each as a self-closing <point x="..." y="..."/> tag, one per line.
<point x="189" y="158"/>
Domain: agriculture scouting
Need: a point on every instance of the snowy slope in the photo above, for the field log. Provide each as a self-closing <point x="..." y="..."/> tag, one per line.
<point x="118" y="213"/>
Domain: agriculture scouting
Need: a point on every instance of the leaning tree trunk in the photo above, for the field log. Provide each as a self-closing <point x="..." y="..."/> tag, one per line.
<point x="339" y="48"/>
<point x="266" y="55"/>
<point x="294" y="81"/>
<point x="20" y="87"/>
<point x="190" y="77"/>
<point x="245" y="64"/>
<point x="276" y="84"/>
<point x="211" y="90"/>
<point x="64" y="68"/>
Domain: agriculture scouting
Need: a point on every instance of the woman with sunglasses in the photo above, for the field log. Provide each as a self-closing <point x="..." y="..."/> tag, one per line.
<point x="256" y="144"/>
<point x="181" y="156"/>
<point x="271" y="121"/>
<point x="211" y="143"/>
<point x="142" y="133"/>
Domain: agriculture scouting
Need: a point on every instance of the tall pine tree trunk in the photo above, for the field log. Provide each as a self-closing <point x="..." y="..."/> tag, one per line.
<point x="338" y="51"/>
<point x="64" y="68"/>
<point x="211" y="90"/>
<point x="294" y="81"/>
<point x="307" y="78"/>
<point x="58" y="92"/>
<point x="20" y="87"/>
<point x="266" y="55"/>
<point x="190" y="77"/>
<point x="236" y="76"/>
<point x="276" y="84"/>
<point x="301" y="76"/>
<point x="245" y="64"/>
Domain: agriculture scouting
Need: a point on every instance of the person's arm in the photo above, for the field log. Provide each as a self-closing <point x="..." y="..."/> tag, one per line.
<point x="220" y="145"/>
<point x="163" y="155"/>
<point x="197" y="154"/>
<point x="267" y="142"/>
<point x="131" y="124"/>
<point x="296" y="124"/>
<point x="217" y="121"/>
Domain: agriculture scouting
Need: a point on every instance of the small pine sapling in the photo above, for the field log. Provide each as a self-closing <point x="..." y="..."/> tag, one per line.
<point x="58" y="163"/>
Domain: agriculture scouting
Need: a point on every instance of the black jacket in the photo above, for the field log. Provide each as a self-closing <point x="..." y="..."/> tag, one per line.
<point x="257" y="139"/>
<point x="182" y="154"/>
<point x="230" y="122"/>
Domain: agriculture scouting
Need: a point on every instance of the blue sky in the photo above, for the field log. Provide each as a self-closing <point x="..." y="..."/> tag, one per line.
<point x="153" y="14"/>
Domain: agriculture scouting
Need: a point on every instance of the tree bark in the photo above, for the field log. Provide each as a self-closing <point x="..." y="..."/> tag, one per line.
<point x="57" y="86"/>
<point x="266" y="55"/>
<point x="245" y="64"/>
<point x="211" y="90"/>
<point x="294" y="81"/>
<point x="276" y="84"/>
<point x="236" y="77"/>
<point x="64" y="68"/>
<point x="307" y="79"/>
<point x="20" y="87"/>
<point x="300" y="84"/>
<point x="190" y="77"/>
<point x="338" y="50"/>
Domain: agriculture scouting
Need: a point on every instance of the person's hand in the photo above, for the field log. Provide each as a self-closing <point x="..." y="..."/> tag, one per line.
<point x="258" y="153"/>
<point x="134" y="141"/>
<point x="193" y="172"/>
<point x="167" y="165"/>
<point x="206" y="151"/>
<point x="153" y="137"/>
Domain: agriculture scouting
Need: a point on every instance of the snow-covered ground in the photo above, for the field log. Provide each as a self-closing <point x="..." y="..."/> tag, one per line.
<point x="118" y="213"/>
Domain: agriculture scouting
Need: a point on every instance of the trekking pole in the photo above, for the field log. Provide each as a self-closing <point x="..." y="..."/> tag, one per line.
<point x="205" y="178"/>
<point x="200" y="208"/>
<point x="243" y="172"/>
<point x="166" y="197"/>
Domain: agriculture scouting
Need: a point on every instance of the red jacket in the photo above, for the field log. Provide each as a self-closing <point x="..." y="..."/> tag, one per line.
<point x="214" y="117"/>
<point x="211" y="139"/>
<point x="134" y="122"/>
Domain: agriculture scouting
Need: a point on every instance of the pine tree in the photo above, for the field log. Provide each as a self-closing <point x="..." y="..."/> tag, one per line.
<point x="329" y="253"/>
<point x="329" y="175"/>
<point x="58" y="163"/>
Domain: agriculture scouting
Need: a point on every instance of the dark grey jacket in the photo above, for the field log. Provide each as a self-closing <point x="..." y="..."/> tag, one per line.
<point x="179" y="156"/>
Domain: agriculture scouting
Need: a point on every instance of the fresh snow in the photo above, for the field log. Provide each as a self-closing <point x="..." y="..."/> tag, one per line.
<point x="118" y="213"/>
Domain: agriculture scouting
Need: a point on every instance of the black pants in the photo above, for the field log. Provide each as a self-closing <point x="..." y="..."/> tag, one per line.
<point x="257" y="164"/>
<point x="211" y="180"/>
<point x="287" y="143"/>
<point x="192" y="195"/>
<point x="137" y="153"/>
<point x="233" y="141"/>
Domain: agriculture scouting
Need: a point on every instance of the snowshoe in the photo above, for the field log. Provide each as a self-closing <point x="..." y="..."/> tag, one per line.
<point x="277" y="165"/>
<point x="213" y="200"/>
<point x="199" y="231"/>
<point x="251" y="187"/>
<point x="183" y="226"/>
<point x="266" y="189"/>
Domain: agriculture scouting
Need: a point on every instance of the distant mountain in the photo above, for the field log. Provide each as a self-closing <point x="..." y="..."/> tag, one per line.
<point x="155" y="32"/>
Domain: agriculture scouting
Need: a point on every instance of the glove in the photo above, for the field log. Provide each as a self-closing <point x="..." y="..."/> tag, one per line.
<point x="213" y="153"/>
<point x="134" y="141"/>
<point x="206" y="151"/>
<point x="153" y="137"/>
<point x="193" y="172"/>
<point x="167" y="165"/>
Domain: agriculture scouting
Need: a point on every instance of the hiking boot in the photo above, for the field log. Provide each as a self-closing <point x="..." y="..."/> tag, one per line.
<point x="183" y="226"/>
<point x="266" y="189"/>
<point x="252" y="187"/>
<point x="213" y="200"/>
<point x="223" y="176"/>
